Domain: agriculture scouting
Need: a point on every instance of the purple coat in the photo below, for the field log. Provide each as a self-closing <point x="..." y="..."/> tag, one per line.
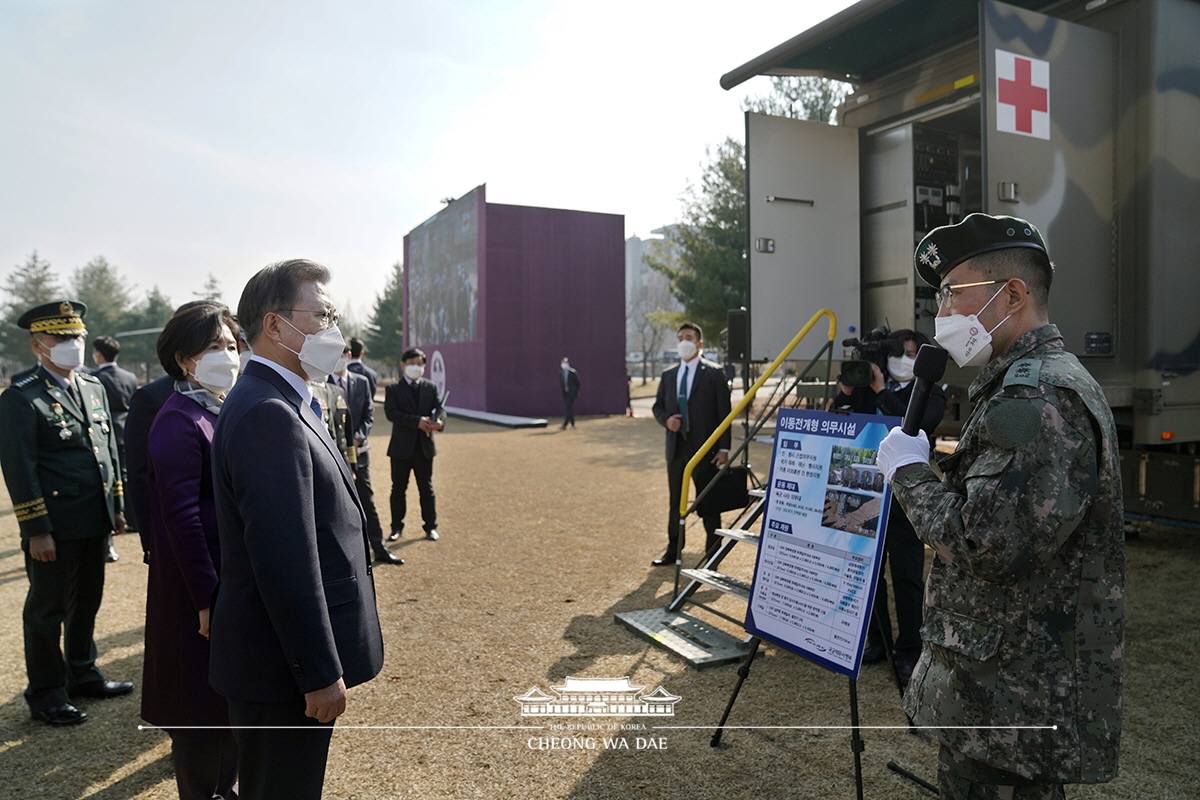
<point x="184" y="558"/>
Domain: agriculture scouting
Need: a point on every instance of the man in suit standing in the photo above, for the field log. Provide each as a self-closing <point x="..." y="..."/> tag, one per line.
<point x="360" y="417"/>
<point x="692" y="400"/>
<point x="568" y="381"/>
<point x="294" y="624"/>
<point x="59" y="457"/>
<point x="119" y="384"/>
<point x="415" y="411"/>
<point x="357" y="350"/>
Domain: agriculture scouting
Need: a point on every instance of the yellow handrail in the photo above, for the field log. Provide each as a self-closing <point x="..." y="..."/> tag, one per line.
<point x="749" y="398"/>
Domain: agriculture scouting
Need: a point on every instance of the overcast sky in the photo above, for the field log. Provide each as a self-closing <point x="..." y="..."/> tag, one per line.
<point x="186" y="138"/>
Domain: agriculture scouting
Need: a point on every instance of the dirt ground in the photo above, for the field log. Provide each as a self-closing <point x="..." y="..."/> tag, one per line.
<point x="545" y="535"/>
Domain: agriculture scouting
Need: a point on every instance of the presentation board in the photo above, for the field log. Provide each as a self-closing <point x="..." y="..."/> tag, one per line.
<point x="822" y="536"/>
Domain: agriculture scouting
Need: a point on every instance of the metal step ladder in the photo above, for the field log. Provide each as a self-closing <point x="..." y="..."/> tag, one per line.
<point x="700" y="643"/>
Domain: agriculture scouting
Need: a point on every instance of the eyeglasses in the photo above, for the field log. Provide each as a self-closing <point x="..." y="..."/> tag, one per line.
<point x="945" y="295"/>
<point x="327" y="316"/>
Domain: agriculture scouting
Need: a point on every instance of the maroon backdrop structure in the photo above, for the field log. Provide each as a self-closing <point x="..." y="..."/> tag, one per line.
<point x="551" y="283"/>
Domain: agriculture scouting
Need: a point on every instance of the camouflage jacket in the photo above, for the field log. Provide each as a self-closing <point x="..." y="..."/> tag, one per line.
<point x="1024" y="620"/>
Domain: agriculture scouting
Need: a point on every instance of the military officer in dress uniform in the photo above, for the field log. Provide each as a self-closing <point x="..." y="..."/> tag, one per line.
<point x="58" y="452"/>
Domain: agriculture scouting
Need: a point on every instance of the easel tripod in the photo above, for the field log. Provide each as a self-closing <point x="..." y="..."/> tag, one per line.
<point x="857" y="745"/>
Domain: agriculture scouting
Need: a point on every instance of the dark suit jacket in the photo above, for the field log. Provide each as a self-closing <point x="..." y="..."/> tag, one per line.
<point x="362" y="369"/>
<point x="405" y="415"/>
<point x="59" y="460"/>
<point x="295" y="607"/>
<point x="708" y="404"/>
<point x="361" y="406"/>
<point x="120" y="384"/>
<point x="143" y="408"/>
<point x="571" y="390"/>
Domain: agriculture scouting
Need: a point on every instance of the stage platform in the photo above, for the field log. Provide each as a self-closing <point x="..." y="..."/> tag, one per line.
<point x="507" y="420"/>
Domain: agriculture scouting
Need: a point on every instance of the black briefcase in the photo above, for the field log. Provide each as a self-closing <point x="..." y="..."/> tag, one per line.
<point x="730" y="493"/>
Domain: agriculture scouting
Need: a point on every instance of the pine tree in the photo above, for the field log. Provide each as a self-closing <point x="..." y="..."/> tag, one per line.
<point x="385" y="334"/>
<point x="29" y="285"/>
<point x="107" y="295"/>
<point x="211" y="291"/>
<point x="139" y="345"/>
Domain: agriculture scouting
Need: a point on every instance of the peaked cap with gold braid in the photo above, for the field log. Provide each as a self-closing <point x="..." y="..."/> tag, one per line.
<point x="60" y="318"/>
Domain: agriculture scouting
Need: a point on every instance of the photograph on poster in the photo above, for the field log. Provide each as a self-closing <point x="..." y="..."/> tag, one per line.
<point x="850" y="512"/>
<point x="822" y="536"/>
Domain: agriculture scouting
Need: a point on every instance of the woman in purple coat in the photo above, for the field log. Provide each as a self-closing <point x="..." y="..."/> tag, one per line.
<point x="198" y="349"/>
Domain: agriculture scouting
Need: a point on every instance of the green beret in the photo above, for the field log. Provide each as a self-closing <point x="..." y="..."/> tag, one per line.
<point x="60" y="318"/>
<point x="946" y="247"/>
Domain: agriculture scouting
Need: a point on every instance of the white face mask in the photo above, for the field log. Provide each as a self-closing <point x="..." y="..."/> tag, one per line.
<point x="217" y="371"/>
<point x="687" y="349"/>
<point x="413" y="371"/>
<point x="901" y="367"/>
<point x="66" y="355"/>
<point x="341" y="365"/>
<point x="243" y="360"/>
<point x="320" y="352"/>
<point x="565" y="365"/>
<point x="965" y="338"/>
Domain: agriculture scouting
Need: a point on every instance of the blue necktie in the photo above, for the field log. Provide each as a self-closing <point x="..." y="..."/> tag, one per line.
<point x="315" y="405"/>
<point x="683" y="401"/>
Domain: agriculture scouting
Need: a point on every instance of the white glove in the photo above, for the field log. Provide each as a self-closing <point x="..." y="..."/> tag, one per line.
<point x="898" y="449"/>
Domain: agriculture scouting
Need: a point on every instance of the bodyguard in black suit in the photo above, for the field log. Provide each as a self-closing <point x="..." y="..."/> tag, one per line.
<point x="294" y="623"/>
<point x="355" y="364"/>
<point x="59" y="458"/>
<point x="415" y="411"/>
<point x="360" y="409"/>
<point x="692" y="400"/>
<point x="568" y="381"/>
<point x="119" y="384"/>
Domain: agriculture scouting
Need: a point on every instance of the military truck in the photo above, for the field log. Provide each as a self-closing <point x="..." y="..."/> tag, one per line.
<point x="1082" y="116"/>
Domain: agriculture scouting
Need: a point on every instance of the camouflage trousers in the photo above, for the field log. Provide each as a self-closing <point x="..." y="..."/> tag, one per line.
<point x="964" y="778"/>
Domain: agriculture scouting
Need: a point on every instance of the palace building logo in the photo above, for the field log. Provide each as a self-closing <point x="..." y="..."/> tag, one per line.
<point x="597" y="697"/>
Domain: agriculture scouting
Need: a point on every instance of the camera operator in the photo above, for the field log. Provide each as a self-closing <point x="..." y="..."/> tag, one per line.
<point x="902" y="549"/>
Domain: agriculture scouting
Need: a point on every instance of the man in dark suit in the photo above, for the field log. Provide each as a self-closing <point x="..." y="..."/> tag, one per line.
<point x="693" y="399"/>
<point x="360" y="417"/>
<point x="357" y="350"/>
<point x="294" y="623"/>
<point x="59" y="458"/>
<point x="568" y="381"/>
<point x="119" y="384"/>
<point x="415" y="411"/>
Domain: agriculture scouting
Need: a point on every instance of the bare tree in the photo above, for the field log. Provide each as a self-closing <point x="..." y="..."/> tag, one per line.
<point x="651" y="314"/>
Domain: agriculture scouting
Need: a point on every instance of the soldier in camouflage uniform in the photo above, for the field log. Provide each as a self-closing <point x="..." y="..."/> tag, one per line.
<point x="58" y="451"/>
<point x="1020" y="675"/>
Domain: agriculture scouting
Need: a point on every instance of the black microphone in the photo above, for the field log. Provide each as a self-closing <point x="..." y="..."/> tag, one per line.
<point x="928" y="370"/>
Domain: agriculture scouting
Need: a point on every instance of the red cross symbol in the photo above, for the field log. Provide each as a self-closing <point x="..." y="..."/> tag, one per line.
<point x="1022" y="94"/>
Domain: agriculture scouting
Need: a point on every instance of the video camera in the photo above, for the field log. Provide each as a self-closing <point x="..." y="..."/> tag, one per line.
<point x="875" y="347"/>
